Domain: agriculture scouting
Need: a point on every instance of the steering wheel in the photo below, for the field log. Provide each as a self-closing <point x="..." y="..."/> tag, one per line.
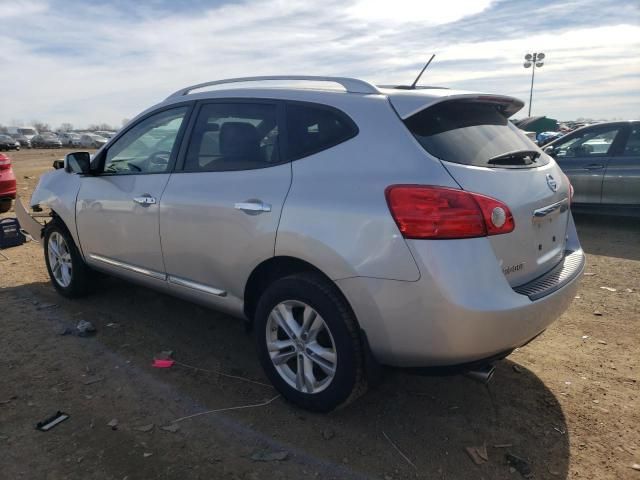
<point x="159" y="158"/>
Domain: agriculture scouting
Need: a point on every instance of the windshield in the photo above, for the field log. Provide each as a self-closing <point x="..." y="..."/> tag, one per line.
<point x="472" y="132"/>
<point x="27" y="131"/>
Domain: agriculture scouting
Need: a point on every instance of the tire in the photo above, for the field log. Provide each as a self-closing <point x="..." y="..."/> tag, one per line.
<point x="331" y="350"/>
<point x="5" y="205"/>
<point x="69" y="274"/>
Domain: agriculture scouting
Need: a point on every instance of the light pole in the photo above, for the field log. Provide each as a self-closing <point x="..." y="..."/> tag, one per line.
<point x="533" y="60"/>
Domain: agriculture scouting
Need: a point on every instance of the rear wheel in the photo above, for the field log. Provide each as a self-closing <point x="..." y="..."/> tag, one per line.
<point x="308" y="343"/>
<point x="67" y="270"/>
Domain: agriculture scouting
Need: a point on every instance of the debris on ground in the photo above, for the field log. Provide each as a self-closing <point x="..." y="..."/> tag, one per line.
<point x="609" y="289"/>
<point x="8" y="400"/>
<point x="479" y="454"/>
<point x="82" y="329"/>
<point x="46" y="306"/>
<point x="328" y="433"/>
<point x="162" y="363"/>
<point x="218" y="410"/>
<point x="589" y="274"/>
<point x="520" y="465"/>
<point x="163" y="359"/>
<point x="113" y="424"/>
<point x="636" y="466"/>
<point x="602" y="342"/>
<point x="52" y="421"/>
<point x="399" y="451"/>
<point x="597" y="313"/>
<point x="85" y="328"/>
<point x="147" y="454"/>
<point x="113" y="325"/>
<point x="584" y="337"/>
<point x="144" y="428"/>
<point x="269" y="456"/>
<point x="173" y="428"/>
<point x="92" y="380"/>
<point x="517" y="368"/>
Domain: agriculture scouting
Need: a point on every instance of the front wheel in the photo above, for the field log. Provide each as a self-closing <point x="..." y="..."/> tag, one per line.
<point x="67" y="270"/>
<point x="308" y="343"/>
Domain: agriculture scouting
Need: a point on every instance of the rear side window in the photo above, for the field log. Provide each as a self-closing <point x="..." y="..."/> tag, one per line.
<point x="588" y="143"/>
<point x="313" y="128"/>
<point x="472" y="133"/>
<point x="234" y="136"/>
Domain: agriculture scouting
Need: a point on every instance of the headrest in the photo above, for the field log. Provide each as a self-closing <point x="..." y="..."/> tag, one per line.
<point x="239" y="139"/>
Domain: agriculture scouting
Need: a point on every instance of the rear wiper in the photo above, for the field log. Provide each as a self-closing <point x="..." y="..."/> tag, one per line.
<point x="517" y="157"/>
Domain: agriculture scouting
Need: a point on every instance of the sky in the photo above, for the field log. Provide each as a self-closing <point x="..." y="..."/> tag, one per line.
<point x="86" y="61"/>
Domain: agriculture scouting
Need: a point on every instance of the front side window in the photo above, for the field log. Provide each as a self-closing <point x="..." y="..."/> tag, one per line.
<point x="313" y="128"/>
<point x="234" y="136"/>
<point x="590" y="143"/>
<point x="147" y="147"/>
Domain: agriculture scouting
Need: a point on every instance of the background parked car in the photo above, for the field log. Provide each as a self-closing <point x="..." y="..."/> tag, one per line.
<point x="46" y="140"/>
<point x="105" y="134"/>
<point x="22" y="140"/>
<point x="28" y="132"/>
<point x="603" y="163"/>
<point x="69" y="138"/>
<point x="7" y="183"/>
<point x="91" y="140"/>
<point x="8" y="143"/>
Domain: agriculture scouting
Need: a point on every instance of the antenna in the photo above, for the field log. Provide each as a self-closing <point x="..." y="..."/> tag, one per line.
<point x="415" y="82"/>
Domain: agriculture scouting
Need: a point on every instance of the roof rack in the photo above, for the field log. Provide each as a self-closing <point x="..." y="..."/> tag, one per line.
<point x="351" y="85"/>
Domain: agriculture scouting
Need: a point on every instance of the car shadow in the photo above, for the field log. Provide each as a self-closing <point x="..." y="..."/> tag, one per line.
<point x="609" y="236"/>
<point x="406" y="426"/>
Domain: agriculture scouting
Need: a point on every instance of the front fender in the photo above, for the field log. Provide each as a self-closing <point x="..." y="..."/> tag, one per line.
<point x="58" y="191"/>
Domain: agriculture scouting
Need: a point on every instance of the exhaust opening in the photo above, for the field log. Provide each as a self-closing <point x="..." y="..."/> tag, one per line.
<point x="482" y="374"/>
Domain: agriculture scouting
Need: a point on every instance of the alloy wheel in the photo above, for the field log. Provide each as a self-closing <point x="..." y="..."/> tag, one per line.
<point x="60" y="259"/>
<point x="301" y="346"/>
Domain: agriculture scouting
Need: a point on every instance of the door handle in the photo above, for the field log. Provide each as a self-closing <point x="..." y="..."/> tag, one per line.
<point x="145" y="200"/>
<point x="593" y="166"/>
<point x="253" y="207"/>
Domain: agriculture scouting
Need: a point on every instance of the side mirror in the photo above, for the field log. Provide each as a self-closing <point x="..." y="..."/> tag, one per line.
<point x="550" y="151"/>
<point x="77" y="162"/>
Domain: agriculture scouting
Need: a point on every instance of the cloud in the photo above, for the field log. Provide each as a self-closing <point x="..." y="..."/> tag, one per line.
<point x="20" y="8"/>
<point x="95" y="62"/>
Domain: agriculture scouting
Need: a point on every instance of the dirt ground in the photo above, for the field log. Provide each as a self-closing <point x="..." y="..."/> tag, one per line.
<point x="568" y="403"/>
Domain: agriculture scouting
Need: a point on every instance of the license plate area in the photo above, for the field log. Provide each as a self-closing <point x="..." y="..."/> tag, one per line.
<point x="550" y="226"/>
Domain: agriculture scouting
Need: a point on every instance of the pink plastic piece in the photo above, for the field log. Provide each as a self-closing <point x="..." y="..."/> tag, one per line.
<point x="162" y="363"/>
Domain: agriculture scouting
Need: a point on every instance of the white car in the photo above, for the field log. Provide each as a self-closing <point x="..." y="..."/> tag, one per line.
<point x="69" y="138"/>
<point x="91" y="140"/>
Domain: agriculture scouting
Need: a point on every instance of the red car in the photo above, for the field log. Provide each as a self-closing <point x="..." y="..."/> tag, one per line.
<point x="7" y="183"/>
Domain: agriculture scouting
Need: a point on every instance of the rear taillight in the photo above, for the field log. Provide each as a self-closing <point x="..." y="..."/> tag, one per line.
<point x="425" y="212"/>
<point x="5" y="162"/>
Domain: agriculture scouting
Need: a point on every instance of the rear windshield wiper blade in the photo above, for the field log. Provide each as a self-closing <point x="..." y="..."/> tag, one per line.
<point x="517" y="157"/>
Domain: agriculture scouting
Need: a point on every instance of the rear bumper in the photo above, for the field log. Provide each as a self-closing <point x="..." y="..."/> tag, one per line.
<point x="460" y="311"/>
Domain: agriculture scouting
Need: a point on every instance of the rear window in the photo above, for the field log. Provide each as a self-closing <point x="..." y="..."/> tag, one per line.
<point x="472" y="133"/>
<point x="313" y="128"/>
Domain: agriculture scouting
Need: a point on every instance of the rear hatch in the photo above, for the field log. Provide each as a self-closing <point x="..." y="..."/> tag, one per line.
<point x="485" y="153"/>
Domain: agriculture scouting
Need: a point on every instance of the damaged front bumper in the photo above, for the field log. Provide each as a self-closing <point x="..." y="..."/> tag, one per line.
<point x="28" y="224"/>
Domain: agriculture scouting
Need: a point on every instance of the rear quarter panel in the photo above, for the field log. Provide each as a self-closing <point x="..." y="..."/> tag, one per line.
<point x="336" y="216"/>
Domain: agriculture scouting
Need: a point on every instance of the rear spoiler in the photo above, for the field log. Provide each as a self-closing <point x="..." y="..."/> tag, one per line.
<point x="408" y="105"/>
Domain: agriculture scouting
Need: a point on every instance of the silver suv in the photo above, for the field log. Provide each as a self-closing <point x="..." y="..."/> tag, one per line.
<point x="351" y="226"/>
